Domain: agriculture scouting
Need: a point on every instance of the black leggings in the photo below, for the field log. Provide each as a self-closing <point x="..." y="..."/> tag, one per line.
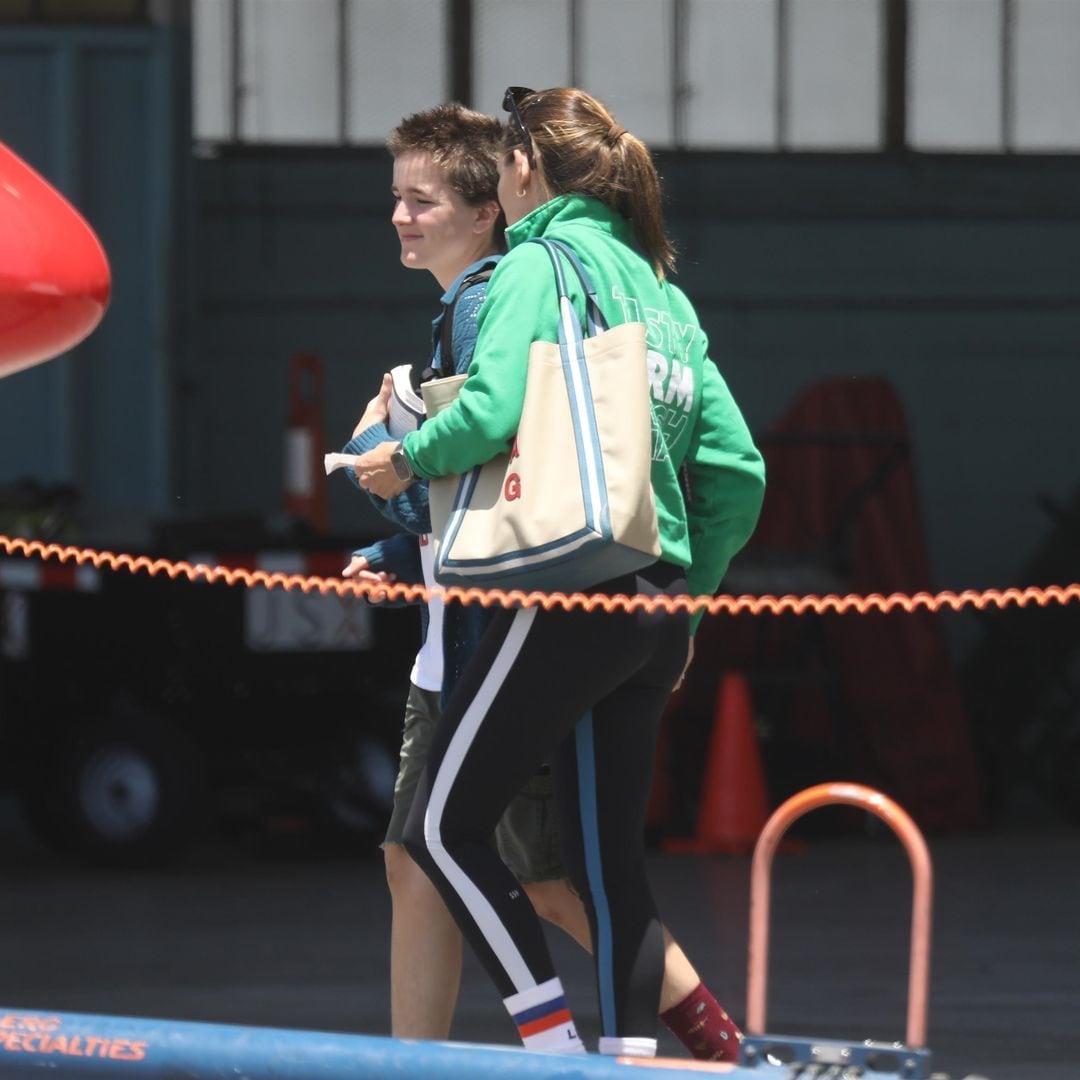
<point x="584" y="691"/>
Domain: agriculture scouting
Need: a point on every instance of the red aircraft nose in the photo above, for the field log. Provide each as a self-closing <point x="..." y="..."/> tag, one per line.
<point x="54" y="276"/>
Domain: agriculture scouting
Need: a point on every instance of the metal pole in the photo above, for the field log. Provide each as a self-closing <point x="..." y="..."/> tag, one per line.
<point x="782" y="49"/>
<point x="574" y="13"/>
<point x="66" y="1045"/>
<point x="1008" y="26"/>
<point x="236" y="54"/>
<point x="680" y="88"/>
<point x="460" y="41"/>
<point x="908" y="832"/>
<point x="896" y="74"/>
<point x="343" y="70"/>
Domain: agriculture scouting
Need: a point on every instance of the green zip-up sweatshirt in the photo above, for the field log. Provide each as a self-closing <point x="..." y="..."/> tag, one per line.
<point x="700" y="422"/>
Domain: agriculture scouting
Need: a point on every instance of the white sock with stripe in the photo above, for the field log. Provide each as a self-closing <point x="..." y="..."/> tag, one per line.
<point x="628" y="1047"/>
<point x="543" y="1020"/>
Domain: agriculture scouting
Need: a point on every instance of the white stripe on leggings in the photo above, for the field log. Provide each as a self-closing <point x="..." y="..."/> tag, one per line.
<point x="483" y="914"/>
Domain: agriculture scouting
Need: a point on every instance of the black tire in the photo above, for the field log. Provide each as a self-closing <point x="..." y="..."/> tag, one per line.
<point x="122" y="791"/>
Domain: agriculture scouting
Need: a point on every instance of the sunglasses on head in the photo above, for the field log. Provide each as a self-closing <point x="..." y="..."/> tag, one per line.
<point x="510" y="104"/>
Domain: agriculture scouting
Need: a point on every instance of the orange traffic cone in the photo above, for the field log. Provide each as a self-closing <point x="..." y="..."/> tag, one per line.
<point x="734" y="804"/>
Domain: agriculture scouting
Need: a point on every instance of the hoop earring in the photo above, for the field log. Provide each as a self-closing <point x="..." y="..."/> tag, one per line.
<point x="521" y="194"/>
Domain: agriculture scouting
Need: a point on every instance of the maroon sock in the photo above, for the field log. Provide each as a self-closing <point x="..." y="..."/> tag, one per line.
<point x="701" y="1025"/>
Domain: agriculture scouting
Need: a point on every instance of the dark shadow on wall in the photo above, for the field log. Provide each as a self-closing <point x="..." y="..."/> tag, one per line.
<point x="872" y="698"/>
<point x="1023" y="686"/>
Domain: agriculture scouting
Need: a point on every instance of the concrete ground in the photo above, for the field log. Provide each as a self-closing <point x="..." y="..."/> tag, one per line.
<point x="233" y="937"/>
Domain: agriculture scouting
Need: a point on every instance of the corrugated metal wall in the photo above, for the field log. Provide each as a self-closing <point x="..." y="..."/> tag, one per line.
<point x="953" y="277"/>
<point x="294" y="253"/>
<point x="93" y="110"/>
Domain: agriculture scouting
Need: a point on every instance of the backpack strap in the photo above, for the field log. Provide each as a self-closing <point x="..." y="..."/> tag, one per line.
<point x="596" y="322"/>
<point x="446" y="330"/>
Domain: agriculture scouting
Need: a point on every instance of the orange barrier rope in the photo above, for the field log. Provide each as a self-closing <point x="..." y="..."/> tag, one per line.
<point x="713" y="605"/>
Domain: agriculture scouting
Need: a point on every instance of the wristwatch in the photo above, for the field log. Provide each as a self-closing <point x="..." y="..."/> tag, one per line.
<point x="400" y="463"/>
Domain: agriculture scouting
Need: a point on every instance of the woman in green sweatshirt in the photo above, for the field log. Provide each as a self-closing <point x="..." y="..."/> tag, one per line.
<point x="583" y="691"/>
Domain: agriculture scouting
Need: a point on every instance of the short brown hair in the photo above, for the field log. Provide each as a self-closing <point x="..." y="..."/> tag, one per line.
<point x="582" y="149"/>
<point x="463" y="143"/>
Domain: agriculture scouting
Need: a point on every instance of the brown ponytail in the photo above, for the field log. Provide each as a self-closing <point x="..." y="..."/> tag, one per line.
<point x="583" y="150"/>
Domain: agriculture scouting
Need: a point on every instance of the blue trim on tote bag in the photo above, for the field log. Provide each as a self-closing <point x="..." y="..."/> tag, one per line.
<point x="594" y="542"/>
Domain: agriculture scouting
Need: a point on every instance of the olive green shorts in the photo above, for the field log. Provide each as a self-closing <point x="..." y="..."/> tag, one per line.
<point x="421" y="716"/>
<point x="527" y="836"/>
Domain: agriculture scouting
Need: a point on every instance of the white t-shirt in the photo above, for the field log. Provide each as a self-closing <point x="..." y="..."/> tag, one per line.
<point x="427" y="671"/>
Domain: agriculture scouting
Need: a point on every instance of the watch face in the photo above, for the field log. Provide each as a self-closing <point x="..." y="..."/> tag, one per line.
<point x="401" y="465"/>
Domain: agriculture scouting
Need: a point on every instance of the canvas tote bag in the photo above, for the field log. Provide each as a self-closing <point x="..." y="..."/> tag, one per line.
<point x="571" y="504"/>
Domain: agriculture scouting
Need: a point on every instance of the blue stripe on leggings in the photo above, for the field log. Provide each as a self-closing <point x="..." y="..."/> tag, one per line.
<point x="537" y="1011"/>
<point x="590" y="835"/>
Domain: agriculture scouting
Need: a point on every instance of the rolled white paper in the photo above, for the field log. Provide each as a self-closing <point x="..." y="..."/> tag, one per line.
<point x="339" y="461"/>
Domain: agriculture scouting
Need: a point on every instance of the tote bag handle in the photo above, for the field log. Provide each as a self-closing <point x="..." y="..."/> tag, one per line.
<point x="593" y="315"/>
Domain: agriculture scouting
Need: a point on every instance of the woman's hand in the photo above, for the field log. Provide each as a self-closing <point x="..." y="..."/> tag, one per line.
<point x="378" y="408"/>
<point x="376" y="474"/>
<point x="359" y="568"/>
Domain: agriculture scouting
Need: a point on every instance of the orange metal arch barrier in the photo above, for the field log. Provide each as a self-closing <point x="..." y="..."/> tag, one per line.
<point x="760" y="886"/>
<point x="712" y="605"/>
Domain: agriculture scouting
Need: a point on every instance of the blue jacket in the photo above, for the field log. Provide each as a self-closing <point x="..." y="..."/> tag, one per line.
<point x="463" y="626"/>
